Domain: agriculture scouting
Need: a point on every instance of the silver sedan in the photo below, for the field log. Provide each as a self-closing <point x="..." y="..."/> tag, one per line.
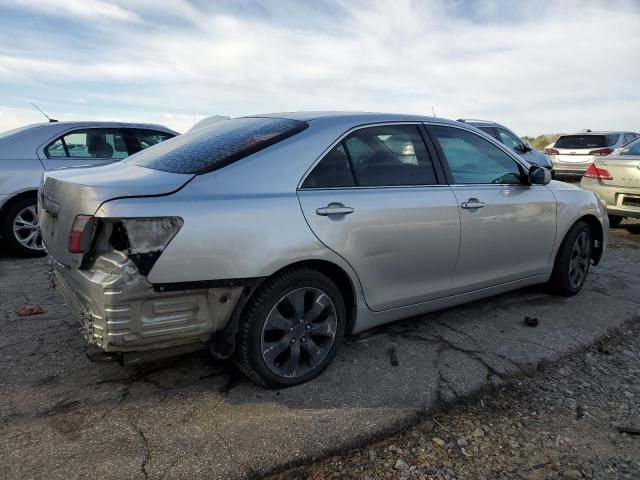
<point x="269" y="238"/>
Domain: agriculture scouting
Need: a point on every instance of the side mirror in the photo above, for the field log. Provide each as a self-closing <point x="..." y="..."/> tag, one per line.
<point x="539" y="176"/>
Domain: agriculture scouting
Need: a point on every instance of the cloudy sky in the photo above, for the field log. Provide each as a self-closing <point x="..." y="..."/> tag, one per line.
<point x="536" y="66"/>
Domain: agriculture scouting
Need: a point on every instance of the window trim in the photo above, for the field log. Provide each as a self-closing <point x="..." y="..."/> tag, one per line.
<point x="435" y="160"/>
<point x="41" y="149"/>
<point x="445" y="164"/>
<point x="60" y="136"/>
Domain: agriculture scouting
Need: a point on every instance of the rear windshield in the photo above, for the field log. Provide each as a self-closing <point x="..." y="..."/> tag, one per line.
<point x="631" y="148"/>
<point x="209" y="148"/>
<point x="586" y="141"/>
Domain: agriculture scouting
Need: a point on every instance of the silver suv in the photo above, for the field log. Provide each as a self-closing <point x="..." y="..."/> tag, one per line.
<point x="28" y="151"/>
<point x="268" y="238"/>
<point x="511" y="140"/>
<point x="572" y="154"/>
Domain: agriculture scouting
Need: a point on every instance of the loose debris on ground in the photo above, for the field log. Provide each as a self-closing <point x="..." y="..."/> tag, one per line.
<point x="577" y="419"/>
<point x="29" y="310"/>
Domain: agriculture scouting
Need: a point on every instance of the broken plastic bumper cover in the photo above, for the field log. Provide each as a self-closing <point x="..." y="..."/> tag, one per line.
<point x="121" y="311"/>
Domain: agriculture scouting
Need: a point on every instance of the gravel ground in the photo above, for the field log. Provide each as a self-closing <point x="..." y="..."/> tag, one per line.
<point x="561" y="423"/>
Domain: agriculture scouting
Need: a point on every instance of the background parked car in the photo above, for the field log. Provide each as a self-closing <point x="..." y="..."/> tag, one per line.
<point x="28" y="151"/>
<point x="616" y="180"/>
<point x="268" y="238"/>
<point x="511" y="140"/>
<point x="572" y="154"/>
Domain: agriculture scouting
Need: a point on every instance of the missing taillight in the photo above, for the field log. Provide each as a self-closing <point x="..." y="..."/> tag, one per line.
<point x="144" y="239"/>
<point x="118" y="238"/>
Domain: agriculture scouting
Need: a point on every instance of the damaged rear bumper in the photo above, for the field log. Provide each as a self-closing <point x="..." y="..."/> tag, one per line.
<point x="121" y="312"/>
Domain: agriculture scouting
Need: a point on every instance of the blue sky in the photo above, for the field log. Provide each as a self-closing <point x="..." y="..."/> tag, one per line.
<point x="536" y="66"/>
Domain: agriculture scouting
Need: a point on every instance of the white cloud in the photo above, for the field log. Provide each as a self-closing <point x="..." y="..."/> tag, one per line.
<point x="547" y="67"/>
<point x="93" y="10"/>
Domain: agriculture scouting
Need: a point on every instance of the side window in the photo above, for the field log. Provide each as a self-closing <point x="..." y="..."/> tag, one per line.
<point x="510" y="140"/>
<point x="332" y="171"/>
<point x="489" y="131"/>
<point x="474" y="160"/>
<point x="390" y="155"/>
<point x="628" y="137"/>
<point x="56" y="149"/>
<point x="148" y="138"/>
<point x="89" y="143"/>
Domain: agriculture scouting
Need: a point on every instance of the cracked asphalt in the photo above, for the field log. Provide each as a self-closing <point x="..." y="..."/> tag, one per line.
<point x="62" y="416"/>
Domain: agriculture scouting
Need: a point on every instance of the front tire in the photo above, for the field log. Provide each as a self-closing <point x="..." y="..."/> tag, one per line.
<point x="291" y="329"/>
<point x="572" y="261"/>
<point x="20" y="228"/>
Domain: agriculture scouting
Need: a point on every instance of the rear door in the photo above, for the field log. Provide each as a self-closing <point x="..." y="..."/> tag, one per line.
<point x="507" y="228"/>
<point x="378" y="199"/>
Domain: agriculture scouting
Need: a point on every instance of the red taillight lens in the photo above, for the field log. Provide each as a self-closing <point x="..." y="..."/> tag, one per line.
<point x="598" y="173"/>
<point x="551" y="151"/>
<point x="602" y="152"/>
<point x="78" y="243"/>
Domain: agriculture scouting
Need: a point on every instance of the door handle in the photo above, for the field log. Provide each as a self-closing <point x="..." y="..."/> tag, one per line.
<point x="334" y="209"/>
<point x="472" y="203"/>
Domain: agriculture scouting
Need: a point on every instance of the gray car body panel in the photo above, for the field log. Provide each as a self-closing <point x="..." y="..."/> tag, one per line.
<point x="251" y="219"/>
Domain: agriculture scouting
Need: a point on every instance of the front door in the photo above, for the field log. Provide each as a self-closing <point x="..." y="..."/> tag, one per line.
<point x="375" y="200"/>
<point x="508" y="227"/>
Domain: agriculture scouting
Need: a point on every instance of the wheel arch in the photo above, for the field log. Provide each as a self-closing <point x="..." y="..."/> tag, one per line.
<point x="342" y="280"/>
<point x="17" y="198"/>
<point x="597" y="232"/>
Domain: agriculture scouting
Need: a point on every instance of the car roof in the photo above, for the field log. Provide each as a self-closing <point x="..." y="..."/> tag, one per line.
<point x="355" y="117"/>
<point x="602" y="132"/>
<point x="94" y="123"/>
<point x="476" y="122"/>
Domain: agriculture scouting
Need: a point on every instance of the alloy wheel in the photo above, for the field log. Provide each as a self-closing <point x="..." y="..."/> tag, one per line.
<point x="580" y="258"/>
<point x="26" y="229"/>
<point x="299" y="332"/>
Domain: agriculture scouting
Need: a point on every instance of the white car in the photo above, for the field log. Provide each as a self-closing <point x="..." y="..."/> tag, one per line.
<point x="27" y="152"/>
<point x="572" y="154"/>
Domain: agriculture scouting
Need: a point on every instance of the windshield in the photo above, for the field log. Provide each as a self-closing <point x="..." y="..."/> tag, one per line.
<point x="16" y="131"/>
<point x="209" y="148"/>
<point x="586" y="141"/>
<point x="631" y="148"/>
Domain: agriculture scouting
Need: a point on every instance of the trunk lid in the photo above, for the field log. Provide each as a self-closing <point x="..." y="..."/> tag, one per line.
<point x="64" y="194"/>
<point x="625" y="171"/>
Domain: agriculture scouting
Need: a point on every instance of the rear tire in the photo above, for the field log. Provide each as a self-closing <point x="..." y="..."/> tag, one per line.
<point x="572" y="261"/>
<point x="291" y="329"/>
<point x="20" y="230"/>
<point x="614" y="221"/>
